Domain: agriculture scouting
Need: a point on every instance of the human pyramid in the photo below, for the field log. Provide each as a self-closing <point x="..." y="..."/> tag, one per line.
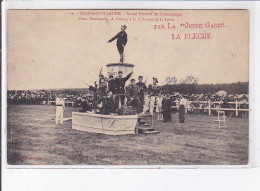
<point x="112" y="97"/>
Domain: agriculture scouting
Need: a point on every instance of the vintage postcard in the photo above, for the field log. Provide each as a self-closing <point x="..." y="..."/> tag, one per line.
<point x="127" y="87"/>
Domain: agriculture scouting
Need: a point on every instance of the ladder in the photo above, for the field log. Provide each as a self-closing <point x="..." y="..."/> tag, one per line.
<point x="221" y="121"/>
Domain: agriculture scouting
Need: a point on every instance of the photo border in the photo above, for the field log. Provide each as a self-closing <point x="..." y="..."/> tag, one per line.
<point x="129" y="5"/>
<point x="56" y="5"/>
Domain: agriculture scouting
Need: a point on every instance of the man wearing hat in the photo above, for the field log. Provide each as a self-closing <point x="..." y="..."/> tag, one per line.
<point x="121" y="42"/>
<point x="132" y="96"/>
<point x="142" y="88"/>
<point x="102" y="88"/>
<point x="111" y="84"/>
<point x="120" y="88"/>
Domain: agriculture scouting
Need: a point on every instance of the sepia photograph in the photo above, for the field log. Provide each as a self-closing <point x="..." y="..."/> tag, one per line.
<point x="128" y="87"/>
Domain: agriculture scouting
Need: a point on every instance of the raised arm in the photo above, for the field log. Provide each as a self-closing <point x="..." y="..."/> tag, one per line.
<point x="114" y="38"/>
<point x="128" y="76"/>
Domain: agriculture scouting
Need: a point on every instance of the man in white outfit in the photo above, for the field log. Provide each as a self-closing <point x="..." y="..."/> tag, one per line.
<point x="150" y="99"/>
<point x="60" y="107"/>
<point x="159" y="106"/>
<point x="146" y="102"/>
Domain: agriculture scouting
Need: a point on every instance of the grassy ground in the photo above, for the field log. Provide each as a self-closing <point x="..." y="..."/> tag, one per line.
<point x="33" y="138"/>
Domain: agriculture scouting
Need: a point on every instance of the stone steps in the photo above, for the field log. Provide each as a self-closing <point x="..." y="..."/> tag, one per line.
<point x="145" y="126"/>
<point x="151" y="132"/>
<point x="146" y="129"/>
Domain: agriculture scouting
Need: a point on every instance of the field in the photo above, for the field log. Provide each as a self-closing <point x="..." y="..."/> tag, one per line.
<point x="34" y="139"/>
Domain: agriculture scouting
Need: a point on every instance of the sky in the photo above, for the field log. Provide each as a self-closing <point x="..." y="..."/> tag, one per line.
<point x="49" y="49"/>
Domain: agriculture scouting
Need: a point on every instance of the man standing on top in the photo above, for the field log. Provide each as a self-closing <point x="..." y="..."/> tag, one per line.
<point x="121" y="42"/>
<point x="120" y="88"/>
<point x="142" y="88"/>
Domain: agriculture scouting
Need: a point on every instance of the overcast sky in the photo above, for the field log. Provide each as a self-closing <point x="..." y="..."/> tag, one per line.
<point x="52" y="49"/>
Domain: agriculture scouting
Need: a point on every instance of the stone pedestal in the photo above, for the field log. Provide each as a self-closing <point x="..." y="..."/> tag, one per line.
<point x="113" y="68"/>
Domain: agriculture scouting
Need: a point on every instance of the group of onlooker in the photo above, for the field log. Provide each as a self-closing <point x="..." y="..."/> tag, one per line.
<point x="41" y="97"/>
<point x="193" y="102"/>
<point x="26" y="97"/>
<point x="200" y="103"/>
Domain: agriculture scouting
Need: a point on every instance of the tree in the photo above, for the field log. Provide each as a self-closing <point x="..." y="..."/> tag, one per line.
<point x="190" y="80"/>
<point x="171" y="80"/>
<point x="182" y="81"/>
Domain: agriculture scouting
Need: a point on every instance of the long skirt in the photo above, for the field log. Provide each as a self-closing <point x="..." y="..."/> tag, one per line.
<point x="181" y="114"/>
<point x="167" y="115"/>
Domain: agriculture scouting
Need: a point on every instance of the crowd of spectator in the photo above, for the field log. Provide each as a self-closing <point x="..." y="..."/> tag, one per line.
<point x="218" y="98"/>
<point x="194" y="101"/>
<point x="26" y="97"/>
<point x="41" y="97"/>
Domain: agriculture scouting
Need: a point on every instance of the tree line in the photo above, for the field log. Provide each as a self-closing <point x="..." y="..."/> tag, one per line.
<point x="190" y="85"/>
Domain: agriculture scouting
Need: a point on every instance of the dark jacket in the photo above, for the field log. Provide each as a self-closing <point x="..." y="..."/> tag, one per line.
<point x="121" y="38"/>
<point x="166" y="109"/>
<point x="101" y="91"/>
<point x="153" y="90"/>
<point x="131" y="91"/>
<point x="142" y="87"/>
<point x="111" y="85"/>
<point x="120" y="84"/>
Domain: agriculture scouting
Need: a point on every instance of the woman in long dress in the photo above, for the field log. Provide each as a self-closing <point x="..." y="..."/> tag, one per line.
<point x="166" y="109"/>
<point x="182" y="110"/>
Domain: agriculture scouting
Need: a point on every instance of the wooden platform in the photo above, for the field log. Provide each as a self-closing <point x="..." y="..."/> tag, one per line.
<point x="105" y="124"/>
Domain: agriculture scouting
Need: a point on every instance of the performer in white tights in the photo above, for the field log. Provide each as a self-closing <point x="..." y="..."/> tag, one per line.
<point x="60" y="107"/>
